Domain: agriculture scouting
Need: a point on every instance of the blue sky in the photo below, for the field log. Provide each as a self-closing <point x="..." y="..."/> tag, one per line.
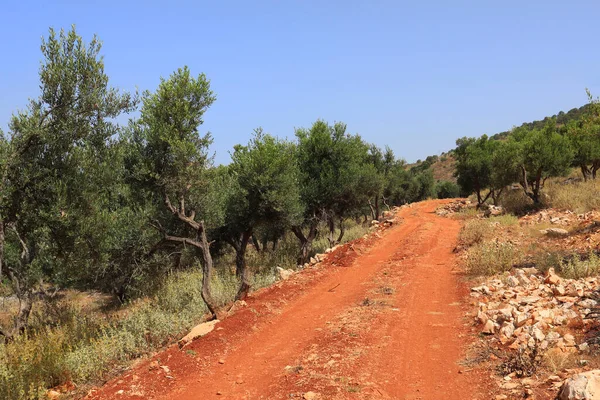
<point x="412" y="75"/>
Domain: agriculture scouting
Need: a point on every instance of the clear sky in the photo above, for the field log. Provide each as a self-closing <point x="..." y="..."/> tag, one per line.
<point x="414" y="75"/>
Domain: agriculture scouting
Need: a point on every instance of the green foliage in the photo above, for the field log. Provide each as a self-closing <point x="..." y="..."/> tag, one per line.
<point x="474" y="165"/>
<point x="50" y="162"/>
<point x="447" y="190"/>
<point x="266" y="184"/>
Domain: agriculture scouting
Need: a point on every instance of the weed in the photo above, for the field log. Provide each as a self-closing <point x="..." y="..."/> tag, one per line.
<point x="514" y="201"/>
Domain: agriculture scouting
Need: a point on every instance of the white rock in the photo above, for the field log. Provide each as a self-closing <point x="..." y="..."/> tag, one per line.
<point x="198" y="331"/>
<point x="284" y="274"/>
<point x="583" y="386"/>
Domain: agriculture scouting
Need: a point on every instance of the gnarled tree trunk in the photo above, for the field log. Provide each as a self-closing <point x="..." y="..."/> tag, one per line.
<point x="305" y="241"/>
<point x="239" y="245"/>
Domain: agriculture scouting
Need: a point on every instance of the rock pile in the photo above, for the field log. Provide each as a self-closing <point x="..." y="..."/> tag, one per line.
<point x="561" y="218"/>
<point x="524" y="309"/>
<point x="454" y="207"/>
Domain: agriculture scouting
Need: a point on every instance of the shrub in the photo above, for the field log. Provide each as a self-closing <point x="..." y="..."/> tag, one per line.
<point x="544" y="260"/>
<point x="515" y="201"/>
<point x="475" y="231"/>
<point x="447" y="190"/>
<point x="491" y="258"/>
<point x="579" y="266"/>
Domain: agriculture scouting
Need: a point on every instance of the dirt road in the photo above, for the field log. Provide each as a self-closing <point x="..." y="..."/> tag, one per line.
<point x="380" y="319"/>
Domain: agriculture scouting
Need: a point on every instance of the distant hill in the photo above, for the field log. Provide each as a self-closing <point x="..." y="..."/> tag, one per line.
<point x="443" y="165"/>
<point x="561" y="119"/>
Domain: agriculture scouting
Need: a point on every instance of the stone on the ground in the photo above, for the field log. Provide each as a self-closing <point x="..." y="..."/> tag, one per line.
<point x="52" y="394"/>
<point x="198" y="331"/>
<point x="284" y="273"/>
<point x="555" y="232"/>
<point x="489" y="328"/>
<point x="583" y="386"/>
<point x="551" y="277"/>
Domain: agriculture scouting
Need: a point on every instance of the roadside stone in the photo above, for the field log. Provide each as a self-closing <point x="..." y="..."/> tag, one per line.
<point x="52" y="394"/>
<point x="284" y="274"/>
<point x="512" y="281"/>
<point x="489" y="328"/>
<point x="583" y="386"/>
<point x="551" y="277"/>
<point x="555" y="232"/>
<point x="198" y="331"/>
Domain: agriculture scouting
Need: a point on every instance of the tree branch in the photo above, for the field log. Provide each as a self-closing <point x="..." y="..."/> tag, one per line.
<point x="181" y="213"/>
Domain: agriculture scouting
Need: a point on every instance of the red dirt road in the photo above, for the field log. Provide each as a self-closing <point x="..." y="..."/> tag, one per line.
<point x="382" y="318"/>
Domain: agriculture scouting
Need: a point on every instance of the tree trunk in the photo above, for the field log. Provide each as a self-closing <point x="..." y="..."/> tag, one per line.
<point x="331" y="224"/>
<point x="595" y="168"/>
<point x="496" y="195"/>
<point x="376" y="209"/>
<point x="256" y="244"/>
<point x="585" y="171"/>
<point x="342" y="231"/>
<point x="305" y="241"/>
<point x="207" y="272"/>
<point x="25" y="297"/>
<point x="372" y="210"/>
<point x="241" y="269"/>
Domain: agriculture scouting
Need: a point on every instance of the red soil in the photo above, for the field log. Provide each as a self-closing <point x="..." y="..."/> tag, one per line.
<point x="382" y="318"/>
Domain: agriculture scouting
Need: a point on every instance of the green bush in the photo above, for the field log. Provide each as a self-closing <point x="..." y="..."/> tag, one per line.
<point x="447" y="190"/>
<point x="515" y="201"/>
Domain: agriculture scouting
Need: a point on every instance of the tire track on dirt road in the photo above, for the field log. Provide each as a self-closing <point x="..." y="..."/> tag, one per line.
<point x="389" y="325"/>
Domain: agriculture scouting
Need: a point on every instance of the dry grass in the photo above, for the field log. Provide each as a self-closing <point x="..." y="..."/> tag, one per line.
<point x="489" y="258"/>
<point x="475" y="231"/>
<point x="557" y="361"/>
<point x="578" y="197"/>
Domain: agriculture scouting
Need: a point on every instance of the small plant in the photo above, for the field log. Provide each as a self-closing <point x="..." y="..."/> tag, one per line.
<point x="544" y="260"/>
<point x="523" y="363"/>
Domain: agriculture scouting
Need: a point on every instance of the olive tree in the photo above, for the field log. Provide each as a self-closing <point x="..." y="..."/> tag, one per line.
<point x="473" y="166"/>
<point x="542" y="153"/>
<point x="264" y="193"/>
<point x="169" y="164"/>
<point x="44" y="186"/>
